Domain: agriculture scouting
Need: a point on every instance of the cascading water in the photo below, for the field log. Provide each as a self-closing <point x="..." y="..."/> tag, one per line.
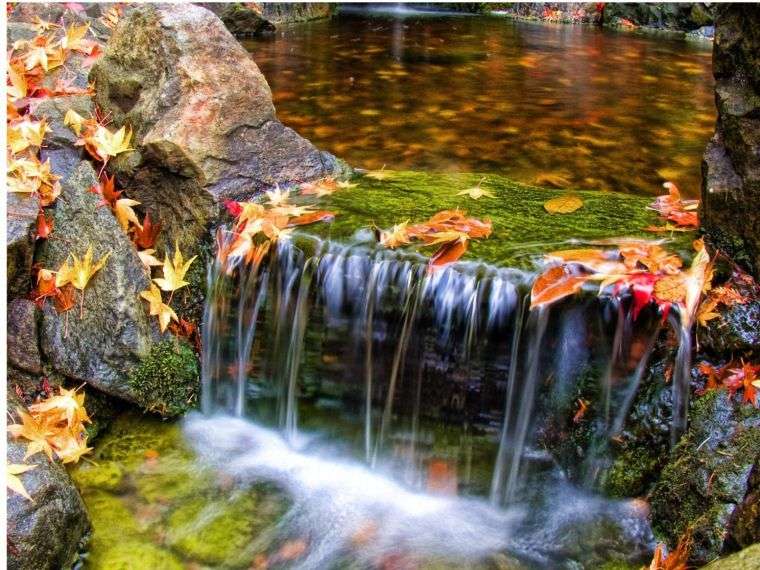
<point x="373" y="390"/>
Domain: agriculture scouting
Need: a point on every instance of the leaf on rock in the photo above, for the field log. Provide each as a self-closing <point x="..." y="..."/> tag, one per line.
<point x="12" y="471"/>
<point x="158" y="308"/>
<point x="174" y="271"/>
<point x="145" y="235"/>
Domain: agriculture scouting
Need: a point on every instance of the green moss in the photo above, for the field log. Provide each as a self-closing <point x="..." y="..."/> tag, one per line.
<point x="747" y="559"/>
<point x="222" y="531"/>
<point x="168" y="379"/>
<point x="521" y="226"/>
<point x="106" y="476"/>
<point x="707" y="476"/>
<point x="135" y="555"/>
<point x="633" y="470"/>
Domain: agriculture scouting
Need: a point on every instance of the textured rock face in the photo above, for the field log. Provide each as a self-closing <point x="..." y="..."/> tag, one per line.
<point x="23" y="347"/>
<point x="114" y="331"/>
<point x="731" y="166"/>
<point x="43" y="534"/>
<point x="708" y="485"/>
<point x="202" y="114"/>
<point x="19" y="233"/>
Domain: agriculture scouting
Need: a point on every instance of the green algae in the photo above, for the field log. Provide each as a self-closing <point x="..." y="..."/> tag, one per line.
<point x="153" y="506"/>
<point x="521" y="226"/>
<point x="168" y="379"/>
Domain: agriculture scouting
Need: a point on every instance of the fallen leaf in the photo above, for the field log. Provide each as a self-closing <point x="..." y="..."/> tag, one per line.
<point x="158" y="308"/>
<point x="563" y="204"/>
<point x="124" y="213"/>
<point x="174" y="271"/>
<point x="476" y="192"/>
<point x="12" y="471"/>
<point x="554" y="284"/>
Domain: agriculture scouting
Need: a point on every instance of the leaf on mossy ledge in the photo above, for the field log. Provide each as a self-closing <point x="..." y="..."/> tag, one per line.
<point x="554" y="284"/>
<point x="563" y="204"/>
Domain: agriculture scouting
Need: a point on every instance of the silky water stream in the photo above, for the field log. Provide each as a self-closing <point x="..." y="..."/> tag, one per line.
<point x="398" y="409"/>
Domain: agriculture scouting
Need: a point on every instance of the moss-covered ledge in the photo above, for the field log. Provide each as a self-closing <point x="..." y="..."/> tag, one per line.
<point x="521" y="226"/>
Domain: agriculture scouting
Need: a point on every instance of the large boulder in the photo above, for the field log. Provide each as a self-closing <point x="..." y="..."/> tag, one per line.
<point x="23" y="341"/>
<point x="19" y="234"/>
<point x="203" y="118"/>
<point x="46" y="532"/>
<point x="731" y="165"/>
<point x="113" y="333"/>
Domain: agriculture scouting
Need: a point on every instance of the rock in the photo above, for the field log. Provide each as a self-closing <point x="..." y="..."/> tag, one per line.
<point x="747" y="559"/>
<point x="241" y="19"/>
<point x="19" y="234"/>
<point x="23" y="342"/>
<point x="660" y="15"/>
<point x="735" y="331"/>
<point x="708" y="477"/>
<point x="114" y="331"/>
<point x="53" y="110"/>
<point x="745" y="522"/>
<point x="731" y="164"/>
<point x="18" y="31"/>
<point x="203" y="118"/>
<point x="279" y="13"/>
<point x="44" y="533"/>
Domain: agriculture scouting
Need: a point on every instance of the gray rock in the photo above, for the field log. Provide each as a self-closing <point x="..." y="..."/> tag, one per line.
<point x="114" y="331"/>
<point x="731" y="165"/>
<point x="53" y="110"/>
<point x="21" y="215"/>
<point x="203" y="118"/>
<point x="23" y="342"/>
<point x="735" y="331"/>
<point x="45" y="533"/>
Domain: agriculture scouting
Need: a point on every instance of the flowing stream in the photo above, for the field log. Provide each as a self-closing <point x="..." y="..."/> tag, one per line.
<point x="382" y="396"/>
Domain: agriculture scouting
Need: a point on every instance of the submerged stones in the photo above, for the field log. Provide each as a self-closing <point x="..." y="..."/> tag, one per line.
<point x="202" y="113"/>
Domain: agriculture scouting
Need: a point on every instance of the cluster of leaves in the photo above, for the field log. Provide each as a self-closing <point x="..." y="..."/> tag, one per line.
<point x="679" y="214"/>
<point x="451" y="230"/>
<point x="98" y="140"/>
<point x="74" y="273"/>
<point x="739" y="289"/>
<point x="644" y="268"/>
<point x="173" y="271"/>
<point x="733" y="376"/>
<point x="257" y="225"/>
<point x="53" y="426"/>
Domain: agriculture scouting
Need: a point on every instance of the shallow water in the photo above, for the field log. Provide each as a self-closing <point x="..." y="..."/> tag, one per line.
<point x="569" y="106"/>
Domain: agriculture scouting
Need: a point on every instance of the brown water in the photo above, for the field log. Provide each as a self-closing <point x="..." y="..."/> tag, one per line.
<point x="546" y="104"/>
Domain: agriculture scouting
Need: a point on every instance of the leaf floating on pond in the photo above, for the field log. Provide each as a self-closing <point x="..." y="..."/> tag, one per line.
<point x="563" y="204"/>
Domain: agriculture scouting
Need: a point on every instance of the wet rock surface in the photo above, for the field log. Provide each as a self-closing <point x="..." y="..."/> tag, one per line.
<point x="19" y="234"/>
<point x="23" y="341"/>
<point x="731" y="167"/>
<point x="203" y="118"/>
<point x="114" y="330"/>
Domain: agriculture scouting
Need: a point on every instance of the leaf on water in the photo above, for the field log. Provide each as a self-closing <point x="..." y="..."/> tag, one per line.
<point x="449" y="252"/>
<point x="554" y="284"/>
<point x="563" y="204"/>
<point x="310" y="218"/>
<point x="670" y="288"/>
<point x="398" y="235"/>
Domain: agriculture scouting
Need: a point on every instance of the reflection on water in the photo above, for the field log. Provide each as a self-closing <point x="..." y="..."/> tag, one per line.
<point x="545" y="104"/>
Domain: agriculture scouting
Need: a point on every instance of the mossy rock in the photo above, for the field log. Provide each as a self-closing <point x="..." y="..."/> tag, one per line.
<point x="632" y="472"/>
<point x="167" y="381"/>
<point x="521" y="225"/>
<point x="220" y="532"/>
<point x="112" y="521"/>
<point x="747" y="559"/>
<point x="708" y="475"/>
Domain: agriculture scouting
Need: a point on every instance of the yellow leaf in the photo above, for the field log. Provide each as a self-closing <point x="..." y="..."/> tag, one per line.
<point x="26" y="134"/>
<point x="397" y="236"/>
<point x="33" y="430"/>
<point x="12" y="470"/>
<point x="670" y="288"/>
<point x="108" y="144"/>
<point x="157" y="307"/>
<point x="67" y="405"/>
<point x="174" y="271"/>
<point x="74" y="36"/>
<point x="476" y="192"/>
<point x="277" y="197"/>
<point x="563" y="204"/>
<point x="381" y="174"/>
<point x="147" y="258"/>
<point x="124" y="213"/>
<point x="83" y="270"/>
<point x="18" y="87"/>
<point x="74" y="120"/>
